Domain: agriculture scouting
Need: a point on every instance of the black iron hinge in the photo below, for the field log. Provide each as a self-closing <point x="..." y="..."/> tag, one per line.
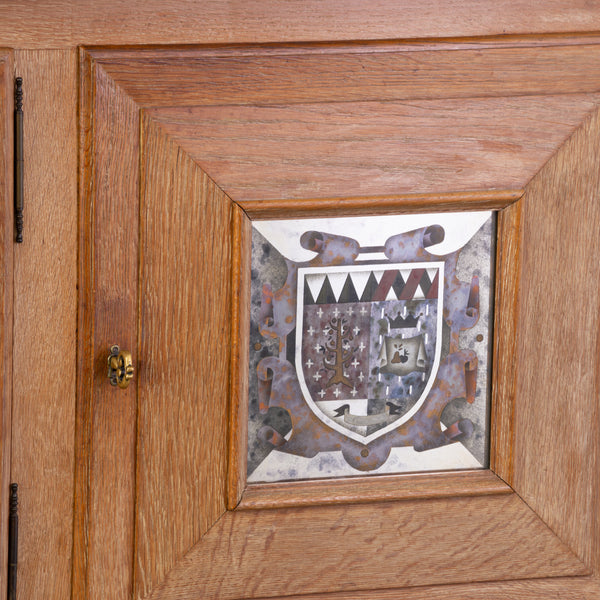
<point x="19" y="158"/>
<point x="13" y="542"/>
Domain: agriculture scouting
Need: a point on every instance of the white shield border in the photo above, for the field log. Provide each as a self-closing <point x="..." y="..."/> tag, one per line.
<point x="302" y="272"/>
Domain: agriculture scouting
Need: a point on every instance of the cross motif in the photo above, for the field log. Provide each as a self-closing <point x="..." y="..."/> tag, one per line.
<point x="337" y="392"/>
<point x="309" y="363"/>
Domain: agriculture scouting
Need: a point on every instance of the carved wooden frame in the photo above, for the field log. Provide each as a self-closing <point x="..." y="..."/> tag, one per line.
<point x="541" y="490"/>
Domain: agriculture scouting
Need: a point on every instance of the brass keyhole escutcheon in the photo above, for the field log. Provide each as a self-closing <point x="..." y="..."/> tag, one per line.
<point x="120" y="367"/>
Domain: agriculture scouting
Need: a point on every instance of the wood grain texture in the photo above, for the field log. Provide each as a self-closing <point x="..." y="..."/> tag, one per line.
<point x="184" y="357"/>
<point x="362" y="547"/>
<point x="375" y="148"/>
<point x="508" y="278"/>
<point x="556" y="462"/>
<point x="241" y="244"/>
<point x="45" y="280"/>
<point x="362" y="490"/>
<point x="560" y="588"/>
<point x="85" y="329"/>
<point x="379" y="205"/>
<point x="6" y="295"/>
<point x="357" y="73"/>
<point x="108" y="308"/>
<point x="51" y="24"/>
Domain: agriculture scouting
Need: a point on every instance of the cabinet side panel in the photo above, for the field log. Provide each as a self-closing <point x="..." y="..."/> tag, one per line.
<point x="45" y="324"/>
<point x="556" y="413"/>
<point x="185" y="342"/>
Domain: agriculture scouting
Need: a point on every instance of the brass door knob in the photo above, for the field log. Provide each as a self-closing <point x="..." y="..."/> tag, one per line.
<point x="120" y="367"/>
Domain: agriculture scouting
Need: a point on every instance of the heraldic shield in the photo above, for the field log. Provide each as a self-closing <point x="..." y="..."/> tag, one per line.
<point x="368" y="343"/>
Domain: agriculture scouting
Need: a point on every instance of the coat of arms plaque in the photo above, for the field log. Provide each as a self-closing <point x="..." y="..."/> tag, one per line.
<point x="369" y="345"/>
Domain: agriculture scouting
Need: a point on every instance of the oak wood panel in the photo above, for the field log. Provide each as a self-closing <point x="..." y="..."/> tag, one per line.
<point x="51" y="24"/>
<point x="6" y="295"/>
<point x="253" y="554"/>
<point x="85" y="327"/>
<point x="239" y="540"/>
<point x="508" y="277"/>
<point x="353" y="149"/>
<point x="185" y="291"/>
<point x="108" y="315"/>
<point x="374" y="72"/>
<point x="556" y="416"/>
<point x="362" y="490"/>
<point x="241" y="245"/>
<point x="45" y="280"/>
<point x="379" y="205"/>
<point x="579" y="588"/>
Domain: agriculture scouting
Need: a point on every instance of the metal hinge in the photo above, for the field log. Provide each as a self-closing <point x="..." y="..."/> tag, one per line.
<point x="13" y="542"/>
<point x="19" y="158"/>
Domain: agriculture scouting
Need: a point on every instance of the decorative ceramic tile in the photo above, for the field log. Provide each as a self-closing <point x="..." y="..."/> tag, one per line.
<point x="369" y="345"/>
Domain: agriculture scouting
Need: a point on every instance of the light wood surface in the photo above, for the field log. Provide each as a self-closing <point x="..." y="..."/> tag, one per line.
<point x="353" y="149"/>
<point x="379" y="205"/>
<point x="45" y="280"/>
<point x="369" y="547"/>
<point x="6" y="295"/>
<point x="51" y="24"/>
<point x="573" y="588"/>
<point x="185" y="293"/>
<point x="557" y="445"/>
<point x="105" y="474"/>
<point x="45" y="266"/>
<point x="241" y="267"/>
<point x="506" y="332"/>
<point x="355" y="72"/>
<point x="364" y="490"/>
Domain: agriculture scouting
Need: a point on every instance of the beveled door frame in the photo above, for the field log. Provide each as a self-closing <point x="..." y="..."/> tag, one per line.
<point x="123" y="88"/>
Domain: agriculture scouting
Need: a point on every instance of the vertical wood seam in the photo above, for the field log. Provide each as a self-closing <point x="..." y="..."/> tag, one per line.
<point x="141" y="193"/>
<point x="85" y="327"/>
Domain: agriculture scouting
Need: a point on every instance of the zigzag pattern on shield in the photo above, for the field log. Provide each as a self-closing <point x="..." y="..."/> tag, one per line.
<point x="371" y="286"/>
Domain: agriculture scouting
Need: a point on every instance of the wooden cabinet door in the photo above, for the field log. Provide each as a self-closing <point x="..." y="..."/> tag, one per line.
<point x="180" y="150"/>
